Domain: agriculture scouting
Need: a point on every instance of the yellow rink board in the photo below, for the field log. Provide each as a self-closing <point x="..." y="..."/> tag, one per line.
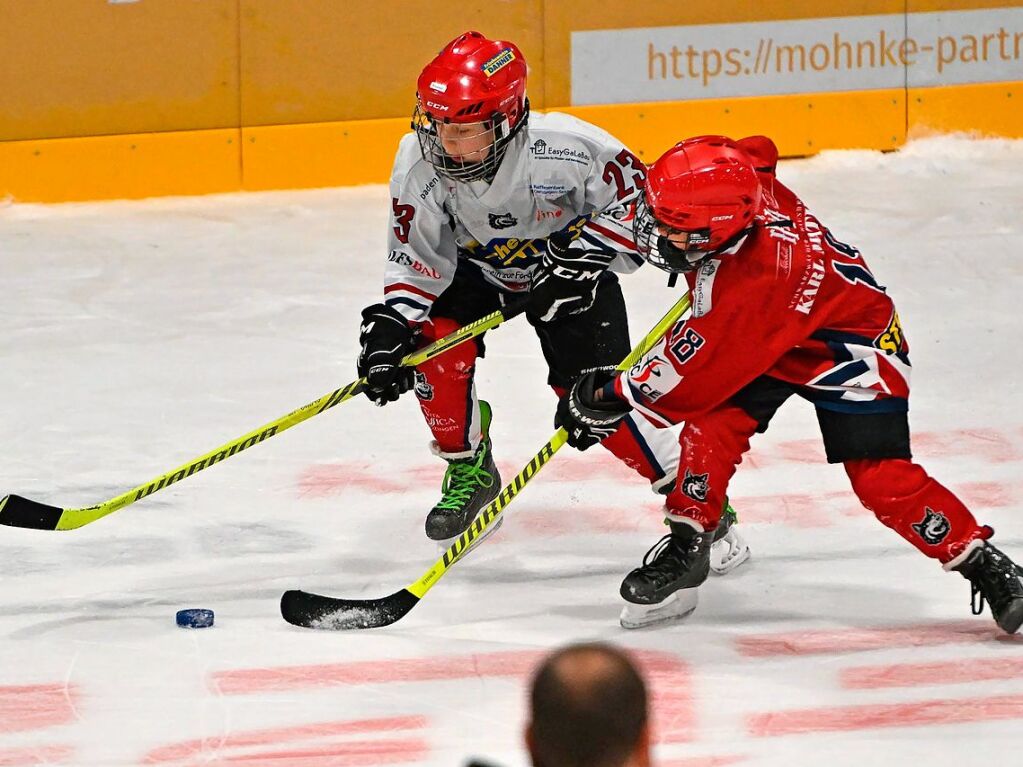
<point x="120" y="167"/>
<point x="800" y="124"/>
<point x="362" y="151"/>
<point x="320" y="154"/>
<point x="986" y="109"/>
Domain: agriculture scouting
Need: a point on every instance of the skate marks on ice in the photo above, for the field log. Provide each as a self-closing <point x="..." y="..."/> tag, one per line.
<point x="350" y="742"/>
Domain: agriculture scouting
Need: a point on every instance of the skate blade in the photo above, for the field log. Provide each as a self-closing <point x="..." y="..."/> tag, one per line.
<point x="443" y="546"/>
<point x="728" y="553"/>
<point x="678" y="605"/>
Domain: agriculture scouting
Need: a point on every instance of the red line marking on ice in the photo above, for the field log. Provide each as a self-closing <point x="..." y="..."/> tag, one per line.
<point x="788" y="508"/>
<point x="350" y="753"/>
<point x="326" y="479"/>
<point x="919" y="714"/>
<point x="260" y="680"/>
<point x="670" y="679"/>
<point x="192" y="748"/>
<point x="840" y="641"/>
<point x="721" y="760"/>
<point x="21" y="757"/>
<point x="992" y="445"/>
<point x="988" y="494"/>
<point x="549" y="523"/>
<point x="919" y="674"/>
<point x="32" y="707"/>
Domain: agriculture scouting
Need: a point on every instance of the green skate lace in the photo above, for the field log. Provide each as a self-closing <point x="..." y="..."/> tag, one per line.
<point x="460" y="482"/>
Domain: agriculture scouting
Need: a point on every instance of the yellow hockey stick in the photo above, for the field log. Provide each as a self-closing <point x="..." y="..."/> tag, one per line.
<point x="17" y="511"/>
<point x="302" y="608"/>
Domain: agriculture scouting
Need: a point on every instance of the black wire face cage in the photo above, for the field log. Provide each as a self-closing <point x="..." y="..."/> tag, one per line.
<point x="659" y="251"/>
<point x="457" y="170"/>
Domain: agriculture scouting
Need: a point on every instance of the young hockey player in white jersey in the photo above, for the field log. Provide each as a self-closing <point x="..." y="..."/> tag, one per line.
<point x="490" y="203"/>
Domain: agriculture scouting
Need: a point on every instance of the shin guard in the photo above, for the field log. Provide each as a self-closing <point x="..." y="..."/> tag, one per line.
<point x="446" y="392"/>
<point x="924" y="512"/>
<point x="712" y="447"/>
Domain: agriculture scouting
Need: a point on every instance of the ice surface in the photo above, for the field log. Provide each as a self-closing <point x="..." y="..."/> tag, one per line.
<point x="138" y="335"/>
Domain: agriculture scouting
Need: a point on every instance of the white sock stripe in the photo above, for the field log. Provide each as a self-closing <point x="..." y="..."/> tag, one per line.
<point x="435" y="449"/>
<point x="972" y="547"/>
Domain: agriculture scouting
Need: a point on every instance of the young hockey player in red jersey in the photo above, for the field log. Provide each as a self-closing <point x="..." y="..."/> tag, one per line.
<point x="489" y="203"/>
<point x="780" y="307"/>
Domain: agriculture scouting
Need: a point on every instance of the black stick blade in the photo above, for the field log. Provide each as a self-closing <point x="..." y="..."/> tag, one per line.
<point x="16" y="511"/>
<point x="315" y="611"/>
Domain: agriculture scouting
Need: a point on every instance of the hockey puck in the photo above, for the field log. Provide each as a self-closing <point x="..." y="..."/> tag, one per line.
<point x="196" y="618"/>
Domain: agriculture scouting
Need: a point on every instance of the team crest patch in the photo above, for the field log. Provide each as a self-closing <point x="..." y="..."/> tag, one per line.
<point x="933" y="528"/>
<point x="422" y="387"/>
<point x="498" y="62"/>
<point x="696" y="486"/>
<point x="502" y="220"/>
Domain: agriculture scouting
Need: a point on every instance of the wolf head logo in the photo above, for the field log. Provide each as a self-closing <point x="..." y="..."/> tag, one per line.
<point x="696" y="486"/>
<point x="502" y="220"/>
<point x="422" y="387"/>
<point x="933" y="528"/>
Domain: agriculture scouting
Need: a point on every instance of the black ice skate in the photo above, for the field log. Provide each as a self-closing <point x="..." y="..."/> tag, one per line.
<point x="665" y="586"/>
<point x="996" y="579"/>
<point x="729" y="548"/>
<point x="470" y="483"/>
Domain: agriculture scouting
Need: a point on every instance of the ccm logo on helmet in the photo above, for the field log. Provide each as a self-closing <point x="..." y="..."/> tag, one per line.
<point x="435" y="105"/>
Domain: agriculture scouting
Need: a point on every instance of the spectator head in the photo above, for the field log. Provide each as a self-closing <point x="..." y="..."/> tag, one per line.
<point x="588" y="708"/>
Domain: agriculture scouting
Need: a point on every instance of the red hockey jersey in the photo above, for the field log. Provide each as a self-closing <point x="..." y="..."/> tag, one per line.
<point x="789" y="301"/>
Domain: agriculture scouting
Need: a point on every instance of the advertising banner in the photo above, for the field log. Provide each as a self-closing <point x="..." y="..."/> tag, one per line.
<point x="801" y="56"/>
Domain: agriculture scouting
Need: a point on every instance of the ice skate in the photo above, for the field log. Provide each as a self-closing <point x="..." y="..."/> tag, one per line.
<point x="729" y="549"/>
<point x="997" y="580"/>
<point x="470" y="483"/>
<point x="665" y="586"/>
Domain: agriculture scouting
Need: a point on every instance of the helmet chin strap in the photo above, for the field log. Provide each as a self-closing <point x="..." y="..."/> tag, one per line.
<point x="506" y="142"/>
<point x="677" y="258"/>
<point x="690" y="260"/>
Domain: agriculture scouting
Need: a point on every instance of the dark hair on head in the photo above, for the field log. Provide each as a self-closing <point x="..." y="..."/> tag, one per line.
<point x="589" y="707"/>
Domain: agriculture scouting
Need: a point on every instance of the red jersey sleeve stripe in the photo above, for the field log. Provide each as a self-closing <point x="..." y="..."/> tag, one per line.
<point x="625" y="242"/>
<point x="404" y="286"/>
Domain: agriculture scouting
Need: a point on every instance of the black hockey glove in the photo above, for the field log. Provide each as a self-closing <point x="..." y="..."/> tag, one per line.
<point x="587" y="419"/>
<point x="566" y="281"/>
<point x="386" y="338"/>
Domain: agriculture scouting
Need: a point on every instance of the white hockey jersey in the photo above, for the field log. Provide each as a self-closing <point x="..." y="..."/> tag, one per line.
<point x="558" y="172"/>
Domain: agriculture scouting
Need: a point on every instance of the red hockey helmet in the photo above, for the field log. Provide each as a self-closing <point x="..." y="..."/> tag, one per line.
<point x="700" y="197"/>
<point x="470" y="102"/>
